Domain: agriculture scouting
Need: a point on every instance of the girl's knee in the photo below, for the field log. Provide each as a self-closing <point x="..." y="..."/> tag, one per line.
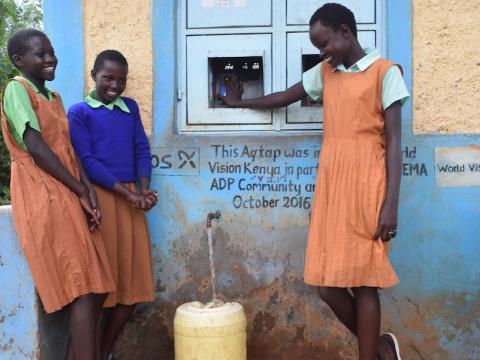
<point x="365" y="291"/>
<point x="100" y="299"/>
<point x="325" y="293"/>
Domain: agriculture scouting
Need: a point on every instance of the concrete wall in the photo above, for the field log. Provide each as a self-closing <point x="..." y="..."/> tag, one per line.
<point x="18" y="320"/>
<point x="260" y="251"/>
<point x="125" y="26"/>
<point x="26" y="331"/>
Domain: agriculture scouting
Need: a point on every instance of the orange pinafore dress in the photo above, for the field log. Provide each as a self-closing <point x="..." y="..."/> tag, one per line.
<point x="351" y="184"/>
<point x="66" y="259"/>
<point x="125" y="232"/>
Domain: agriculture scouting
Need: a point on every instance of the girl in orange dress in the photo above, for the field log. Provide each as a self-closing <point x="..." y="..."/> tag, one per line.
<point x="355" y="205"/>
<point x="52" y="198"/>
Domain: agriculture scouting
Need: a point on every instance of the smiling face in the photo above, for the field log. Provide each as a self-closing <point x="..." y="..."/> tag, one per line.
<point x="110" y="81"/>
<point x="38" y="63"/>
<point x="334" y="45"/>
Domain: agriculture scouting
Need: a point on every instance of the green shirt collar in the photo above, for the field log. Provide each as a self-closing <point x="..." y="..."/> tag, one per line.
<point x="50" y="93"/>
<point x="361" y="65"/>
<point x="94" y="103"/>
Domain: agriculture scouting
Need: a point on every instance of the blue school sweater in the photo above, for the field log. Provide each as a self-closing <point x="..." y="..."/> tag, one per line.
<point x="111" y="144"/>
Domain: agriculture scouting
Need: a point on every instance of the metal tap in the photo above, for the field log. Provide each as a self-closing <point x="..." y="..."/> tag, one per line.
<point x="210" y="216"/>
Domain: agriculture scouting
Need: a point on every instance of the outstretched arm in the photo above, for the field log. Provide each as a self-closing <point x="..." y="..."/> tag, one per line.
<point x="387" y="225"/>
<point x="275" y="100"/>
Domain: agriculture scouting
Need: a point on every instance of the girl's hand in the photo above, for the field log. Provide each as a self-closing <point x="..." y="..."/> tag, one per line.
<point x="152" y="197"/>
<point x="91" y="191"/>
<point x="90" y="211"/>
<point x="139" y="201"/>
<point x="234" y="93"/>
<point x="94" y="201"/>
<point x="387" y="223"/>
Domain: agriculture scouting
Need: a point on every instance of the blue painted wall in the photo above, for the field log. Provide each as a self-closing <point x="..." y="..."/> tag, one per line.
<point x="18" y="320"/>
<point x="260" y="252"/>
<point x="63" y="23"/>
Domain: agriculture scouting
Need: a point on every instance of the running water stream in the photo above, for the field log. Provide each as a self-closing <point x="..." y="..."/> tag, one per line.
<point x="214" y="302"/>
<point x="215" y="330"/>
<point x="212" y="265"/>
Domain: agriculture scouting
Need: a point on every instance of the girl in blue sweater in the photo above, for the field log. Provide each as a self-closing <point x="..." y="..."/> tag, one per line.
<point x="108" y="136"/>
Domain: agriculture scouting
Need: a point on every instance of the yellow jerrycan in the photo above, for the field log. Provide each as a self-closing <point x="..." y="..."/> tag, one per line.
<point x="216" y="331"/>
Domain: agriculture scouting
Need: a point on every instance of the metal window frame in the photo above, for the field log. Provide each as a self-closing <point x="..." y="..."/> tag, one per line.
<point x="279" y="30"/>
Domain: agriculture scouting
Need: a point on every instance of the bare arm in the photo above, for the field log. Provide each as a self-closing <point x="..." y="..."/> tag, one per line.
<point x="91" y="192"/>
<point x="389" y="213"/>
<point x="275" y="100"/>
<point x="48" y="161"/>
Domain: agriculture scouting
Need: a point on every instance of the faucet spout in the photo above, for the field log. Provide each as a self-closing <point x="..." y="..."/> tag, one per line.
<point x="210" y="216"/>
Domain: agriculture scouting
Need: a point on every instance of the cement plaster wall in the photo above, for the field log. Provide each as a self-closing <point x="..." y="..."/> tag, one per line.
<point x="446" y="39"/>
<point x="18" y="320"/>
<point x="125" y="26"/>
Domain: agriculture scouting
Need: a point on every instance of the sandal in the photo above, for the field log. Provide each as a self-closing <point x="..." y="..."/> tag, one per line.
<point x="393" y="343"/>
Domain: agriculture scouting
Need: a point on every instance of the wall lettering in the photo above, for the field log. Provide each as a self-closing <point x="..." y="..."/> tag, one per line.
<point x="410" y="166"/>
<point x="259" y="176"/>
<point x="168" y="161"/>
<point x="457" y="166"/>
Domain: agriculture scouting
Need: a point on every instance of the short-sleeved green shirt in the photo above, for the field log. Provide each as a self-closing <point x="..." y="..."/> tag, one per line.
<point x="18" y="108"/>
<point x="393" y="86"/>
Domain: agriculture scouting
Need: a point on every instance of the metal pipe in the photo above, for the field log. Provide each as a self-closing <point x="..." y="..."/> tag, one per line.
<point x="210" y="216"/>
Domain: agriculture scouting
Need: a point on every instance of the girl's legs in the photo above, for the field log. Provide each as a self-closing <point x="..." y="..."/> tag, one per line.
<point x="114" y="321"/>
<point x="99" y="335"/>
<point x="69" y="354"/>
<point x="83" y="315"/>
<point x="342" y="305"/>
<point x="361" y="315"/>
<point x="99" y="329"/>
<point x="367" y="305"/>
